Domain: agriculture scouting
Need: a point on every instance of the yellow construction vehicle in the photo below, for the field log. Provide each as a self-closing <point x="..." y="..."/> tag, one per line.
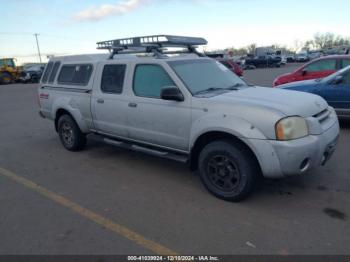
<point x="9" y="72"/>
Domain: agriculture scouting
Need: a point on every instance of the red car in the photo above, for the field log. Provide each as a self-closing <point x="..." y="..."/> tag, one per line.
<point x="317" y="68"/>
<point x="234" y="67"/>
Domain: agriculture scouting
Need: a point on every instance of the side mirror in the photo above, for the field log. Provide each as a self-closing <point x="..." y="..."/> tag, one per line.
<point x="304" y="72"/>
<point x="172" y="93"/>
<point x="338" y="80"/>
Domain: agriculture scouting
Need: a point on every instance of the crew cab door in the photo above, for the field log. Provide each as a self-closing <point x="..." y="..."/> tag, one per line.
<point x="154" y="120"/>
<point x="108" y="102"/>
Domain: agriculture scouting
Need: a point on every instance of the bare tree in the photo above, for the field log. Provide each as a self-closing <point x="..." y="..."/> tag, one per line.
<point x="251" y="48"/>
<point x="298" y="45"/>
<point x="328" y="40"/>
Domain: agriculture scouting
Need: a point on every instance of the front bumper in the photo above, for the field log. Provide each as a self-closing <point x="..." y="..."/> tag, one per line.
<point x="25" y="78"/>
<point x="286" y="158"/>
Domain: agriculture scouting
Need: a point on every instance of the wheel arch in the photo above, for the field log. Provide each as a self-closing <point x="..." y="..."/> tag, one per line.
<point x="211" y="136"/>
<point x="64" y="105"/>
<point x="60" y="112"/>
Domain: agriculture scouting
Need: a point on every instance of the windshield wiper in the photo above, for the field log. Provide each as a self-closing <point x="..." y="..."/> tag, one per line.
<point x="210" y="89"/>
<point x="235" y="86"/>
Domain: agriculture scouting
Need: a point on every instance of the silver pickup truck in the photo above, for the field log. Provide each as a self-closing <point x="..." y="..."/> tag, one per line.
<point x="186" y="107"/>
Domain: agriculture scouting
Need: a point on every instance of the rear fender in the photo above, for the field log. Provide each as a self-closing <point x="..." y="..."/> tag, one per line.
<point x="72" y="108"/>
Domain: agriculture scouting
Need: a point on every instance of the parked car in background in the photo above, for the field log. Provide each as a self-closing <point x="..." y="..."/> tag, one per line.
<point x="264" y="61"/>
<point x="234" y="67"/>
<point x="228" y="61"/>
<point x="302" y="57"/>
<point x="315" y="54"/>
<point x="284" y="60"/>
<point x="32" y="74"/>
<point x="335" y="89"/>
<point x="317" y="68"/>
<point x="290" y="58"/>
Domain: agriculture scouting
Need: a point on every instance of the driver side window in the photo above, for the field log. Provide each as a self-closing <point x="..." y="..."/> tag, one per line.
<point x="149" y="80"/>
<point x="322" y="65"/>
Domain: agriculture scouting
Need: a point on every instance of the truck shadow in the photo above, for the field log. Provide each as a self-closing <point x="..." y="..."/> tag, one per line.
<point x="156" y="167"/>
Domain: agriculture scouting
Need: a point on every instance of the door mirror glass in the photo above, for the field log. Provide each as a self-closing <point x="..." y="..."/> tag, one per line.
<point x="172" y="93"/>
<point x="303" y="72"/>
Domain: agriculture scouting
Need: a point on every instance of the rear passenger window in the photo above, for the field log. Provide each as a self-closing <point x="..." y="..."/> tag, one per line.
<point x="149" y="80"/>
<point x="54" y="72"/>
<point x="322" y="65"/>
<point x="47" y="72"/>
<point x="113" y="79"/>
<point x="75" y="74"/>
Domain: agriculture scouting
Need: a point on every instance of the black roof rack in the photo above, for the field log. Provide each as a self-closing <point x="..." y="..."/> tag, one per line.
<point x="152" y="44"/>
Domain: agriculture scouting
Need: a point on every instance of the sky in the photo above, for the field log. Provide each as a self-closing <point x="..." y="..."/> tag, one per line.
<point x="74" y="26"/>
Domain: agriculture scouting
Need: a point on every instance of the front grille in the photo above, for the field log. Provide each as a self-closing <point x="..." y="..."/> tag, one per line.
<point x="322" y="116"/>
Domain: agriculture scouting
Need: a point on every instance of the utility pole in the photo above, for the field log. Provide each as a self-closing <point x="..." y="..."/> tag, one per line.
<point x="37" y="44"/>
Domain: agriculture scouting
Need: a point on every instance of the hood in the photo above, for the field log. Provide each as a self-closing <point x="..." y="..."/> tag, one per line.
<point x="287" y="102"/>
<point x="304" y="83"/>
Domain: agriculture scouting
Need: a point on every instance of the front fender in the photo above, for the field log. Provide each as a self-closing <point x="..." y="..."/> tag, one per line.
<point x="224" y="123"/>
<point x="71" y="106"/>
<point x="244" y="131"/>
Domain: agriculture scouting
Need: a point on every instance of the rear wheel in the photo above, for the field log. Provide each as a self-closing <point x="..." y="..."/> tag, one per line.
<point x="70" y="135"/>
<point x="228" y="170"/>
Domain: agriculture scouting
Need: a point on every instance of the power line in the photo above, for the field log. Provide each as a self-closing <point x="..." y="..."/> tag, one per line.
<point x="10" y="33"/>
<point x="48" y="35"/>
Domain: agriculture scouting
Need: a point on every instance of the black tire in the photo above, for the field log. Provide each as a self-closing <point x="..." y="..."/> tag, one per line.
<point x="6" y="78"/>
<point x="228" y="170"/>
<point x="70" y="135"/>
<point x="34" y="79"/>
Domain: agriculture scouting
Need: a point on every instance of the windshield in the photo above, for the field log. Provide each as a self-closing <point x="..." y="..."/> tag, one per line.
<point x="200" y="75"/>
<point x="7" y="62"/>
<point x="332" y="76"/>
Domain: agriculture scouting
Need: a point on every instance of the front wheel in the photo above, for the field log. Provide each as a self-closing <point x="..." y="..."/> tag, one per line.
<point x="70" y="135"/>
<point x="228" y="170"/>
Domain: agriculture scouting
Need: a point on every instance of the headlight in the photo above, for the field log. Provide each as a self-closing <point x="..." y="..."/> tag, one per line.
<point x="291" y="128"/>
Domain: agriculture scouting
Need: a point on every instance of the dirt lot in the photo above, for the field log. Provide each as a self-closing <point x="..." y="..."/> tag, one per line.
<point x="109" y="201"/>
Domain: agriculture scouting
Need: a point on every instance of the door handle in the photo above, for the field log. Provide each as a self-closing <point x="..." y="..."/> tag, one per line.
<point x="132" y="105"/>
<point x="100" y="101"/>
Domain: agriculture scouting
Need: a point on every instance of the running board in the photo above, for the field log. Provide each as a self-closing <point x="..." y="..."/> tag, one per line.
<point x="146" y="150"/>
